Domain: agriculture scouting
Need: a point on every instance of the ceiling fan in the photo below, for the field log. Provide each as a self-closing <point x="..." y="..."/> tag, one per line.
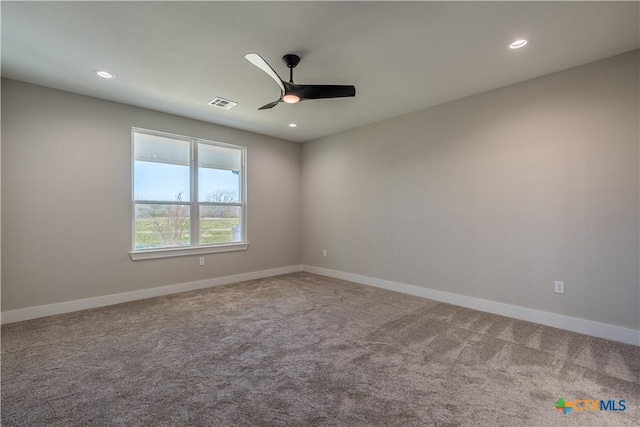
<point x="291" y="92"/>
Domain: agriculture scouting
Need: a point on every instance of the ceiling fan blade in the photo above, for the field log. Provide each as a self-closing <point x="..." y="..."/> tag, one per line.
<point x="322" y="91"/>
<point x="257" y="60"/>
<point x="269" y="105"/>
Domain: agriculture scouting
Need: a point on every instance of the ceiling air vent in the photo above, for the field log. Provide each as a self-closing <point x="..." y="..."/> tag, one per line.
<point x="223" y="103"/>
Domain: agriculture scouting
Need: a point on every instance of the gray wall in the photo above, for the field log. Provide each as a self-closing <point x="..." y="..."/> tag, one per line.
<point x="66" y="179"/>
<point x="493" y="196"/>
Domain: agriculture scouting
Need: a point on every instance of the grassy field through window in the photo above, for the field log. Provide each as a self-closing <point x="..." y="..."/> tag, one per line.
<point x="165" y="232"/>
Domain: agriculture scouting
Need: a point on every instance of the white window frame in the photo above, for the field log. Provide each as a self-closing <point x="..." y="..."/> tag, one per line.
<point x="194" y="204"/>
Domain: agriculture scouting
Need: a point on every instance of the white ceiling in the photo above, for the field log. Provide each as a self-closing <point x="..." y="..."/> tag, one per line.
<point x="177" y="56"/>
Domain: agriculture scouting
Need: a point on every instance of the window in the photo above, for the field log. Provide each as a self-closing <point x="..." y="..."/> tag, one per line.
<point x="188" y="196"/>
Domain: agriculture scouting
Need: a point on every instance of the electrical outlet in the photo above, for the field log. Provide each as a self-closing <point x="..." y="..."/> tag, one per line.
<point x="324" y="252"/>
<point x="201" y="260"/>
<point x="559" y="287"/>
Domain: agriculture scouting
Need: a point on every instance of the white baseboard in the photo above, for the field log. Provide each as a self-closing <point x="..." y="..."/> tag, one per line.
<point x="83" y="304"/>
<point x="574" y="324"/>
<point x="588" y="327"/>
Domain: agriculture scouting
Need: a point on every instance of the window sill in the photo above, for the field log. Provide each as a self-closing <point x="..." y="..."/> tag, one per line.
<point x="174" y="252"/>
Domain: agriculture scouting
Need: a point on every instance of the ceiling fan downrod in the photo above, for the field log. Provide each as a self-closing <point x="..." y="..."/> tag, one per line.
<point x="291" y="61"/>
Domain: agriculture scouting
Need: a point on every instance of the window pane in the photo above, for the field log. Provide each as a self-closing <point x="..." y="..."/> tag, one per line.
<point x="220" y="224"/>
<point x="161" y="168"/>
<point x="218" y="186"/>
<point x="161" y="226"/>
<point x="216" y="157"/>
<point x="219" y="174"/>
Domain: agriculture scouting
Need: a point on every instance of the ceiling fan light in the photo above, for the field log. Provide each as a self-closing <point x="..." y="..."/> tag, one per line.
<point x="291" y="99"/>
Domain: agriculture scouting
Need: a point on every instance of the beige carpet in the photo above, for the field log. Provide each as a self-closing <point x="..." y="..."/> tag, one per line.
<point x="306" y="350"/>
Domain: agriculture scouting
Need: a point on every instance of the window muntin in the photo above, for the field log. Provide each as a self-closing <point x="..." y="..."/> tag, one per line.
<point x="187" y="192"/>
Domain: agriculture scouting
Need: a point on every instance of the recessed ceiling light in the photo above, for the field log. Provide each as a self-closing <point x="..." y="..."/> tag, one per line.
<point x="105" y="74"/>
<point x="518" y="44"/>
<point x="293" y="125"/>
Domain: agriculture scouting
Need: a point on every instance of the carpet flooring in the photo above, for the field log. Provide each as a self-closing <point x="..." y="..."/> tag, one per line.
<point x="306" y="350"/>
